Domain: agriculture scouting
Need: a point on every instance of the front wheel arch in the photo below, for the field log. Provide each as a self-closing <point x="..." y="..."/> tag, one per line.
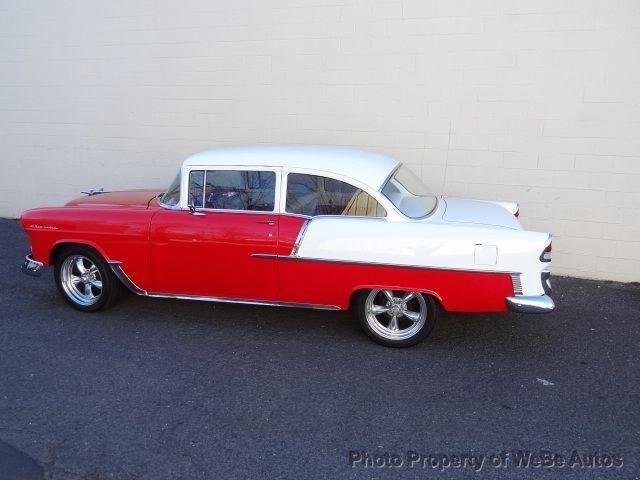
<point x="110" y="287"/>
<point x="59" y="247"/>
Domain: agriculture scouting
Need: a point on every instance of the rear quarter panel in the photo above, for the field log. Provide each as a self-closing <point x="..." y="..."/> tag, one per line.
<point x="431" y="245"/>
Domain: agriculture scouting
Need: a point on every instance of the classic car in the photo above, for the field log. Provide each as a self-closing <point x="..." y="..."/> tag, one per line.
<point x="316" y="227"/>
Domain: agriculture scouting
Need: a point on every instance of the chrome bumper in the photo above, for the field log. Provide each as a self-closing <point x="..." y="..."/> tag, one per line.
<point x="32" y="267"/>
<point x="535" y="304"/>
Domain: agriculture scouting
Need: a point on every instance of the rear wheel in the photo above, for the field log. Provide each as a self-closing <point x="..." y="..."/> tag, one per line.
<point x="396" y="318"/>
<point x="85" y="280"/>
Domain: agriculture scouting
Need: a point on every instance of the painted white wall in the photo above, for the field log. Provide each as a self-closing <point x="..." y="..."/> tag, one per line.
<point x="534" y="101"/>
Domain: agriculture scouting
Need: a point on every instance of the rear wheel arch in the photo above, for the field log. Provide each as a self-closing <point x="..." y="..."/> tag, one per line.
<point x="400" y="318"/>
<point x="358" y="290"/>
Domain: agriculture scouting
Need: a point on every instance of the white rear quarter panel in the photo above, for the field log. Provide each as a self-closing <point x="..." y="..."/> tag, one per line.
<point x="427" y="244"/>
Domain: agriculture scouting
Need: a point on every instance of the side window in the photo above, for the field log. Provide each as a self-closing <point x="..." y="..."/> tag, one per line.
<point x="233" y="189"/>
<point x="315" y="195"/>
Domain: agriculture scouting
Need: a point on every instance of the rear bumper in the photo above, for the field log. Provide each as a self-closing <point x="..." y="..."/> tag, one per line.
<point x="535" y="304"/>
<point x="32" y="267"/>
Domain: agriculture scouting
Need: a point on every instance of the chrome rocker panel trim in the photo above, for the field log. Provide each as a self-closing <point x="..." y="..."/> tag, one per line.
<point x="533" y="304"/>
<point x="116" y="267"/>
<point x="244" y="302"/>
<point x="32" y="267"/>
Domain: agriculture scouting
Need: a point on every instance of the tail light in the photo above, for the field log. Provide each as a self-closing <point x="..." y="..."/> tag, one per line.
<point x="546" y="253"/>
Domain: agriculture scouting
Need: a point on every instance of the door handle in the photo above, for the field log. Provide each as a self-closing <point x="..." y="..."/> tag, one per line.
<point x="266" y="222"/>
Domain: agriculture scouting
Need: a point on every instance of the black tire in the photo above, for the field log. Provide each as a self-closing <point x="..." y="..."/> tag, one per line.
<point x="111" y="288"/>
<point x="415" y="331"/>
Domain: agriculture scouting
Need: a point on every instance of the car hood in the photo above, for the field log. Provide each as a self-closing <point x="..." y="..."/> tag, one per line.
<point x="124" y="198"/>
<point x="481" y="212"/>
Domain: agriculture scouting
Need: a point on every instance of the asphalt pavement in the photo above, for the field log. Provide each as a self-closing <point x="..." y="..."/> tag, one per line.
<point x="168" y="389"/>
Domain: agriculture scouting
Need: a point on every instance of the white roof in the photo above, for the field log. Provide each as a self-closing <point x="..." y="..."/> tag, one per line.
<point x="370" y="168"/>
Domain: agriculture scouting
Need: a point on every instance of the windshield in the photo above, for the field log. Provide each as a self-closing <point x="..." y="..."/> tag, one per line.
<point x="172" y="196"/>
<point x="407" y="192"/>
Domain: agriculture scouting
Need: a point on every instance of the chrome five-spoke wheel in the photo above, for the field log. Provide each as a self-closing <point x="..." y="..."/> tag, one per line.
<point x="396" y="318"/>
<point x="81" y="279"/>
<point x="85" y="279"/>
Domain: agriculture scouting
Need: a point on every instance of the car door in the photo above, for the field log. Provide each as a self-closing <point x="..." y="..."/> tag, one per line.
<point x="215" y="250"/>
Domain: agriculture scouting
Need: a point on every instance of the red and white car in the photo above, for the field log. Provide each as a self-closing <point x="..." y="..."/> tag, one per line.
<point x="316" y="227"/>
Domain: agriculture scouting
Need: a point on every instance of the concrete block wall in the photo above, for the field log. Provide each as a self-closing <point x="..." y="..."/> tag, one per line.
<point x="533" y="101"/>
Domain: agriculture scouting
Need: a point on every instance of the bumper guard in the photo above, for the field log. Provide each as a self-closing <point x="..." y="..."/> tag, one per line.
<point x="32" y="267"/>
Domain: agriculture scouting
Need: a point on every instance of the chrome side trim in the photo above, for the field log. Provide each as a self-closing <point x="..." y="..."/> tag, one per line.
<point x="116" y="268"/>
<point x="299" y="215"/>
<point x="264" y="255"/>
<point x="516" y="281"/>
<point x="535" y="304"/>
<point x="242" y="301"/>
<point x="379" y="264"/>
<point x="32" y="267"/>
<point x="296" y="245"/>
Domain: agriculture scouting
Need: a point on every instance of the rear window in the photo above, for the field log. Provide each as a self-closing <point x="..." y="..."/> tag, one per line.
<point x="409" y="194"/>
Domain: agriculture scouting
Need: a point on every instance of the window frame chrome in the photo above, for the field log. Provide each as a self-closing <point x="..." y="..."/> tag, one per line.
<point x="184" y="185"/>
<point x="177" y="206"/>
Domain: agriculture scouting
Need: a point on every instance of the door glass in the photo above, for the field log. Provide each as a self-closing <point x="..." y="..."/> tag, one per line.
<point x="239" y="190"/>
<point x="314" y="195"/>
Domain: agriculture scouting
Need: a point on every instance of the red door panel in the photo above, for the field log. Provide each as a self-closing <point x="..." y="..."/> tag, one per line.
<point x="211" y="254"/>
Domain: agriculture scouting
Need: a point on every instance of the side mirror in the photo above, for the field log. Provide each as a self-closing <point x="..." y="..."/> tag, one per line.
<point x="193" y="211"/>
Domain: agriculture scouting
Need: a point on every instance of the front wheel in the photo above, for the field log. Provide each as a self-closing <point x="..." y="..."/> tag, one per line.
<point x="396" y="318"/>
<point x="85" y="280"/>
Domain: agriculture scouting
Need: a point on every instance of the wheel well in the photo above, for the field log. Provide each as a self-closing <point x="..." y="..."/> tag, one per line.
<point x="354" y="295"/>
<point x="55" y="252"/>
